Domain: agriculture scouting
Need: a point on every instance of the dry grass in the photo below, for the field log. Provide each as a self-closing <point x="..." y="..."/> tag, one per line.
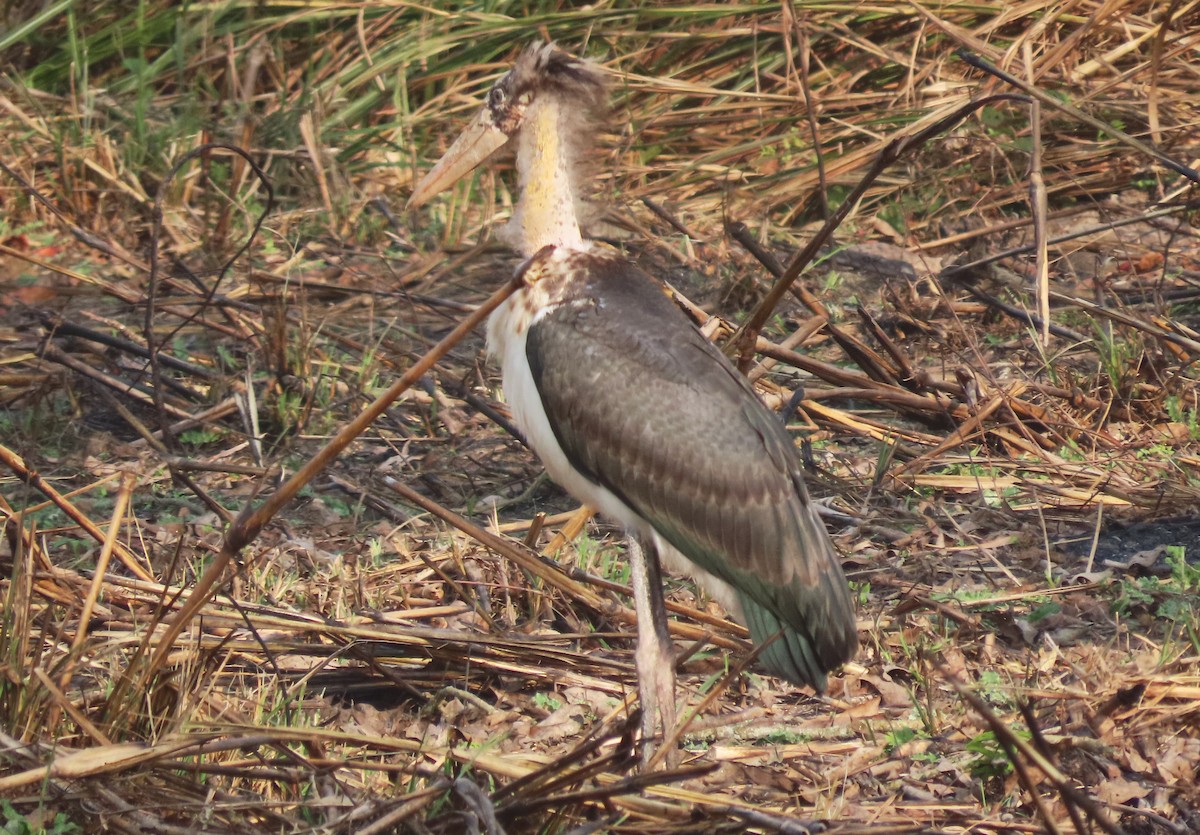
<point x="409" y="644"/>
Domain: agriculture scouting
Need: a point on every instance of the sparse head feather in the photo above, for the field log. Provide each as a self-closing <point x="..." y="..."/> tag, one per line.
<point x="542" y="69"/>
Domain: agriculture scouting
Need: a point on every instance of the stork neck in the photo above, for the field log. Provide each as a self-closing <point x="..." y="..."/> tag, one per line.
<point x="546" y="209"/>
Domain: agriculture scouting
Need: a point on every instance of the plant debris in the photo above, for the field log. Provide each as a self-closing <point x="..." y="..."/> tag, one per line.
<point x="997" y="395"/>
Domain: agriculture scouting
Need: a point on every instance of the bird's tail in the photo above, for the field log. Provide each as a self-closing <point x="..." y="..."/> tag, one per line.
<point x="803" y="654"/>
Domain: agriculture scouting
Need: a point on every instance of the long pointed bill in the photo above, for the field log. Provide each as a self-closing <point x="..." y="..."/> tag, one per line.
<point x="475" y="144"/>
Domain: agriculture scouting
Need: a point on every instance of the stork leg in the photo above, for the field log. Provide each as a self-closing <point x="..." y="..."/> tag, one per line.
<point x="655" y="655"/>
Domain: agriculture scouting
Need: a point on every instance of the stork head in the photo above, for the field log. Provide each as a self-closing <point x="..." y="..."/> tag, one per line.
<point x="542" y="71"/>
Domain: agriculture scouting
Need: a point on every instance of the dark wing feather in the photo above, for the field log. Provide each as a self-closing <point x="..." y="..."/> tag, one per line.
<point x="644" y="405"/>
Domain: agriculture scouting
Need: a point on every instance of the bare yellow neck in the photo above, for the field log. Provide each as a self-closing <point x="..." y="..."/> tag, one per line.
<point x="546" y="210"/>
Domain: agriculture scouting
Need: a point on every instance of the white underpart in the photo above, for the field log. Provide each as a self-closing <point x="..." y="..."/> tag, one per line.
<point x="508" y="329"/>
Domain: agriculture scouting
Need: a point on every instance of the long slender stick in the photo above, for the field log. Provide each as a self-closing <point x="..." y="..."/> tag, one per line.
<point x="744" y="340"/>
<point x="1088" y="119"/>
<point x="252" y="520"/>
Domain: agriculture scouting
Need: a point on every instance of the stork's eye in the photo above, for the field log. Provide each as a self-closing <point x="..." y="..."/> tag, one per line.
<point x="497" y="97"/>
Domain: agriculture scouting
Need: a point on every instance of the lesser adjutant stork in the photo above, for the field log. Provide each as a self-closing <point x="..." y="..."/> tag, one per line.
<point x="635" y="412"/>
